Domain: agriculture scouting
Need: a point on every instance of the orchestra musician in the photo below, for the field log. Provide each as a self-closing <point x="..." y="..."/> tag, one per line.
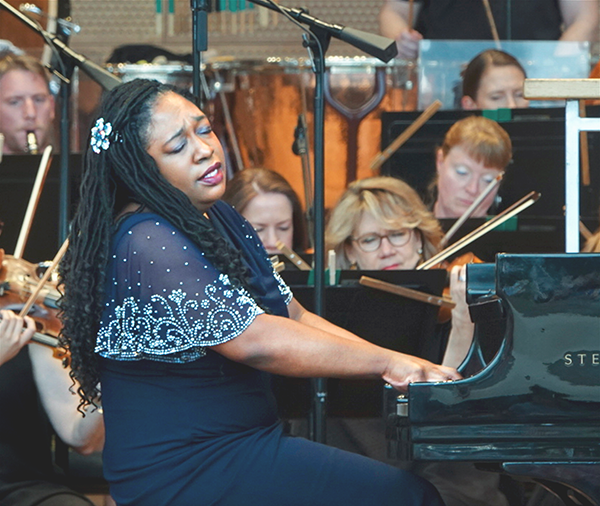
<point x="566" y="20"/>
<point x="37" y="388"/>
<point x="475" y="151"/>
<point x="26" y="105"/>
<point x="172" y="303"/>
<point x="380" y="223"/>
<point x="493" y="80"/>
<point x="592" y="244"/>
<point x="271" y="205"/>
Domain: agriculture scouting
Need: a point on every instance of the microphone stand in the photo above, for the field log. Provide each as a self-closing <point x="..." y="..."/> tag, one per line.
<point x="65" y="144"/>
<point x="300" y="148"/>
<point x="200" y="43"/>
<point x="95" y="72"/>
<point x="102" y="76"/>
<point x="382" y="48"/>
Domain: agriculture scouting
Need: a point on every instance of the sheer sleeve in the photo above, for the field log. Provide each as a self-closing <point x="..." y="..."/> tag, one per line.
<point x="164" y="299"/>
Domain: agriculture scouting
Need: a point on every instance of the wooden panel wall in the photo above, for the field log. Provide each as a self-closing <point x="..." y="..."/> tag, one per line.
<point x="18" y="33"/>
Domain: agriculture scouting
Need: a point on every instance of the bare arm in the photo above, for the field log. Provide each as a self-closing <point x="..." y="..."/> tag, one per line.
<point x="285" y="346"/>
<point x="581" y="19"/>
<point x="394" y="23"/>
<point x="84" y="434"/>
<point x="300" y="314"/>
<point x="461" y="335"/>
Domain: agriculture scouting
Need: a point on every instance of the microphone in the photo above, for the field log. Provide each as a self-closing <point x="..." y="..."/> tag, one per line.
<point x="67" y="26"/>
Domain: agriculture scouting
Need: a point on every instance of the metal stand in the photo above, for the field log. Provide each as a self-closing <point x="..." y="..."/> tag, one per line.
<point x="65" y="145"/>
<point x="379" y="47"/>
<point x="318" y="49"/>
<point x="200" y="44"/>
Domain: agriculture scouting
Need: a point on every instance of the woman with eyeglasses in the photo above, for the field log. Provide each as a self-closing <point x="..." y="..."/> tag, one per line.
<point x="380" y="223"/>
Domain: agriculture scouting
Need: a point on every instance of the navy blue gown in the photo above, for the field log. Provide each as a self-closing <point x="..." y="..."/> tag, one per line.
<point x="186" y="426"/>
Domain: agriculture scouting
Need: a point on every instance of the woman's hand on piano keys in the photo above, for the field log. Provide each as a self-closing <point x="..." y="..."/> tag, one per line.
<point x="404" y="369"/>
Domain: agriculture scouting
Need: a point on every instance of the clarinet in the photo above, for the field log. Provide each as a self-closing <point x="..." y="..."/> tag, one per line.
<point x="32" y="144"/>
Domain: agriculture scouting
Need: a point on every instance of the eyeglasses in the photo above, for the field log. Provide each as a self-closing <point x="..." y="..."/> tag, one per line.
<point x="371" y="242"/>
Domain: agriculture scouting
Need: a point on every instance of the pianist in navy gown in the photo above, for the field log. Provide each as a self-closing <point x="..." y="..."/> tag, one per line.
<point x="174" y="318"/>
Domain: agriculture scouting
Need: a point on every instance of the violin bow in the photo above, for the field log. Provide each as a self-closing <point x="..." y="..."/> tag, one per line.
<point x="490" y="18"/>
<point x="34" y="294"/>
<point x="496" y="221"/>
<point x="33" y="201"/>
<point x="409" y="21"/>
<point x="471" y="209"/>
<point x="406" y="292"/>
<point x="382" y="156"/>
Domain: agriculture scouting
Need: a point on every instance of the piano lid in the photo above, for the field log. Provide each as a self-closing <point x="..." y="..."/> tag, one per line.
<point x="540" y="395"/>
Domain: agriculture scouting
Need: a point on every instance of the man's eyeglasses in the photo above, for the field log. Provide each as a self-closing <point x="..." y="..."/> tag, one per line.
<point x="371" y="242"/>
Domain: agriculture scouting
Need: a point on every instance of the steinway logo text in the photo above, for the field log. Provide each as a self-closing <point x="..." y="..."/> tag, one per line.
<point x="582" y="359"/>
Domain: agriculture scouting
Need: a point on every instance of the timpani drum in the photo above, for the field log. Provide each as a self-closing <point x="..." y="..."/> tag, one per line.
<point x="176" y="74"/>
<point x="266" y="97"/>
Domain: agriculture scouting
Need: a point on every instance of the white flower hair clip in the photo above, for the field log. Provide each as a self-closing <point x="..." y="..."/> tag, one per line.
<point x="100" y="132"/>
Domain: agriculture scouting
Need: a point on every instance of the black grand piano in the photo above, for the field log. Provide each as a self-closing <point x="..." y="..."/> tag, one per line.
<point x="529" y="405"/>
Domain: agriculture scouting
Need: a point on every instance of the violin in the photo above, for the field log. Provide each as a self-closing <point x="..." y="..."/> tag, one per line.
<point x="22" y="289"/>
<point x="18" y="281"/>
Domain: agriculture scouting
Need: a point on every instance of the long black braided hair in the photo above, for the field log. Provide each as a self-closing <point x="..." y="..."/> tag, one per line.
<point x="112" y="178"/>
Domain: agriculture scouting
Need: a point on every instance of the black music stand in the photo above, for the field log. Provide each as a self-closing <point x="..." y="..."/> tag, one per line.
<point x="538" y="138"/>
<point x="382" y="318"/>
<point x="17" y="176"/>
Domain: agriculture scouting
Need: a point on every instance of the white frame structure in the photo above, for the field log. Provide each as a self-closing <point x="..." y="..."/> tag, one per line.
<point x="571" y="90"/>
